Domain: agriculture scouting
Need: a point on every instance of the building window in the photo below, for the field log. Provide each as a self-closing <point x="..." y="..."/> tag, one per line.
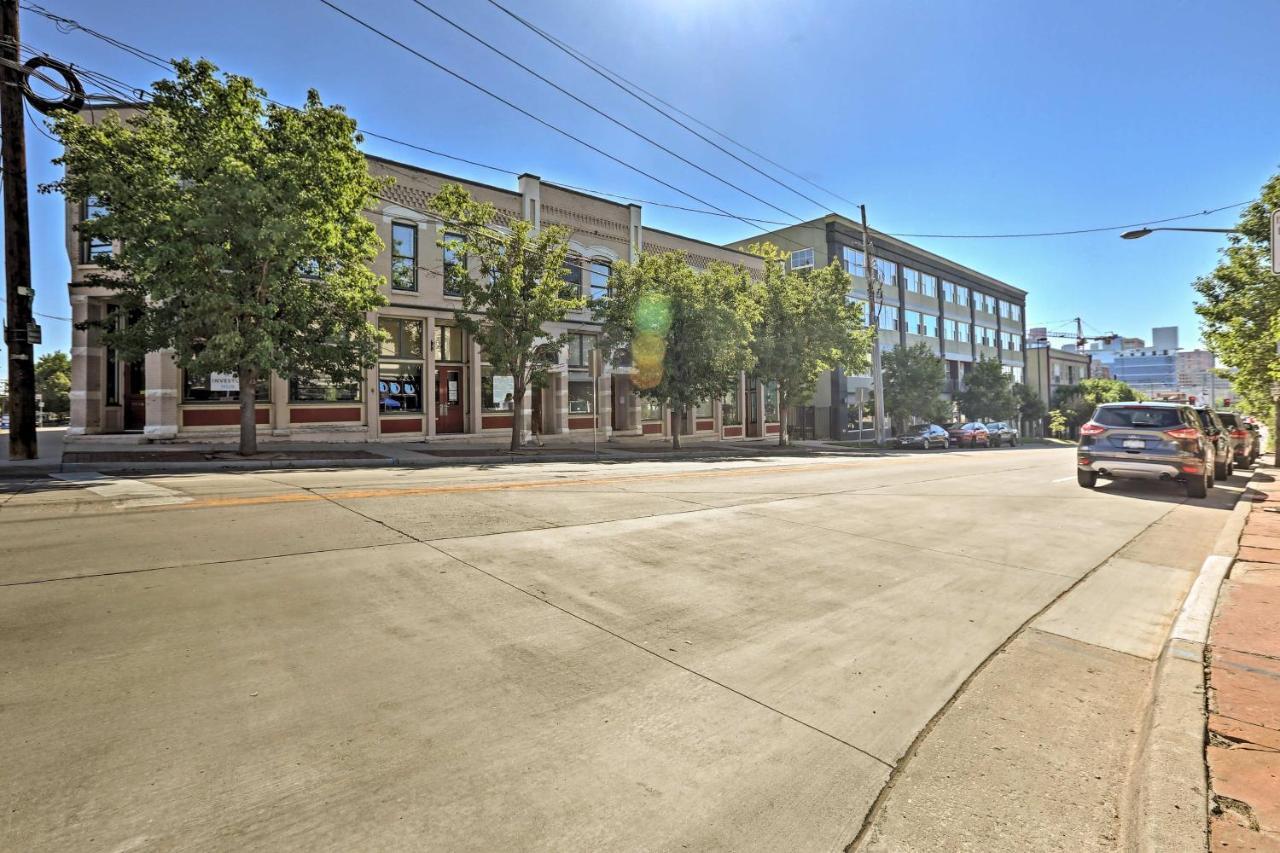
<point x="929" y="284"/>
<point x="991" y="303"/>
<point x="1015" y="312"/>
<point x="929" y="325"/>
<point x="1071" y="374"/>
<point x="448" y="344"/>
<point x="1016" y="372"/>
<point x="911" y="319"/>
<point x="650" y="410"/>
<point x="93" y="248"/>
<point x="802" y="259"/>
<point x="572" y="278"/>
<point x="455" y="264"/>
<point x="219" y="388"/>
<point x="600" y="271"/>
<point x="889" y="318"/>
<point x="404" y="337"/>
<point x="886" y="272"/>
<point x="730" y="414"/>
<point x="321" y="389"/>
<point x="771" y="402"/>
<point x="404" y="256"/>
<point x="962" y="333"/>
<point x="399" y="387"/>
<point x="705" y="409"/>
<point x="497" y="392"/>
<point x="912" y="279"/>
<point x="855" y="261"/>
<point x="962" y="295"/>
<point x="949" y="329"/>
<point x="581" y="396"/>
<point x="580" y="347"/>
<point x="1004" y="309"/>
<point x="948" y="291"/>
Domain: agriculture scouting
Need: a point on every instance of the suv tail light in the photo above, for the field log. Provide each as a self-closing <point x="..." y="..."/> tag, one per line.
<point x="1183" y="433"/>
<point x="1240" y="433"/>
<point x="1092" y="429"/>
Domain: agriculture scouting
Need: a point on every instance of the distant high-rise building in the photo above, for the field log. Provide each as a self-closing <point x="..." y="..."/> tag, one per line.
<point x="1151" y="370"/>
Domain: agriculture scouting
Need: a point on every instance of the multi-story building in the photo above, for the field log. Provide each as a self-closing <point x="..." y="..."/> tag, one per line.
<point x="960" y="314"/>
<point x="1151" y="370"/>
<point x="1050" y="368"/>
<point x="431" y="380"/>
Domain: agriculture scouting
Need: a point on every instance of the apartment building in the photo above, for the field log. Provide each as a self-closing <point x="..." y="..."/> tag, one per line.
<point x="962" y="315"/>
<point x="432" y="380"/>
<point x="1050" y="368"/>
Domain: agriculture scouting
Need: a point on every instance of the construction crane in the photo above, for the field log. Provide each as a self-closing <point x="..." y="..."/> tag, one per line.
<point x="1079" y="337"/>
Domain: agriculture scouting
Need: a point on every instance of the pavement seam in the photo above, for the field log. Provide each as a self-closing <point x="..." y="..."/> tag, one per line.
<point x="899" y="766"/>
<point x="1055" y="634"/>
<point x="616" y="635"/>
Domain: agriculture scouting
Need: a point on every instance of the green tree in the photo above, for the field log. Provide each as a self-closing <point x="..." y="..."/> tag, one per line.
<point x="805" y="325"/>
<point x="519" y="292"/>
<point x="913" y="381"/>
<point x="242" y="243"/>
<point x="1239" y="305"/>
<point x="988" y="392"/>
<point x="687" y="332"/>
<point x="1057" y="423"/>
<point x="1031" y="408"/>
<point x="1077" y="402"/>
<point x="53" y="382"/>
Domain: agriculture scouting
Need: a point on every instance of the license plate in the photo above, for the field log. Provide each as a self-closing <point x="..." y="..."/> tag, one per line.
<point x="1135" y="443"/>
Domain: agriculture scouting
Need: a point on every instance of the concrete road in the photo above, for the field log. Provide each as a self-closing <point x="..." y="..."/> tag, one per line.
<point x="731" y="655"/>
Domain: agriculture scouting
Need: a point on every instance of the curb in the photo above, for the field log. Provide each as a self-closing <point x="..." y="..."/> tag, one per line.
<point x="1168" y="798"/>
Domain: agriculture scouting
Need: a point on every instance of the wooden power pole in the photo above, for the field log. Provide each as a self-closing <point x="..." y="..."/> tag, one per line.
<point x="20" y="331"/>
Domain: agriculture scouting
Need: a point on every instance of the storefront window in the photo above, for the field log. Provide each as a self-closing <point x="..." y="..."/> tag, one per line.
<point x="219" y="388"/>
<point x="497" y="392"/>
<point x="404" y="337"/>
<point x="321" y="389"/>
<point x="730" y="414"/>
<point x="650" y="410"/>
<point x="705" y="409"/>
<point x="400" y="387"/>
<point x="580" y="347"/>
<point x="600" y="279"/>
<point x="581" y="397"/>
<point x="448" y="343"/>
<point x="771" y="402"/>
<point x="572" y="278"/>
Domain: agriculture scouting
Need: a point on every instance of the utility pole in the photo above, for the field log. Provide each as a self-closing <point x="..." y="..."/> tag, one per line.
<point x="20" y="331"/>
<point x="873" y="287"/>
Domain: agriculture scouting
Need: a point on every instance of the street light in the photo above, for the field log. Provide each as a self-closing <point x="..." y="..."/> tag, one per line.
<point x="1142" y="232"/>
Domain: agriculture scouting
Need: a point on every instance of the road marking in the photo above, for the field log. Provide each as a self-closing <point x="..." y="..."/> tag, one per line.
<point x="126" y="494"/>
<point x="1062" y="479"/>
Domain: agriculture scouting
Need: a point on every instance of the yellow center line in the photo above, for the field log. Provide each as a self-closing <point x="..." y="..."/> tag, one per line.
<point x="415" y="491"/>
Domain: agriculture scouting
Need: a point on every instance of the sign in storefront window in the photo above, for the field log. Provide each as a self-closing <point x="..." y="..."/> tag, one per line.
<point x="497" y="393"/>
<point x="219" y="388"/>
<point x="321" y="389"/>
<point x="580" y="397"/>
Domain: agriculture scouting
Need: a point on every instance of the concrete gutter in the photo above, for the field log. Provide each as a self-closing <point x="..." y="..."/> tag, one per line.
<point x="1167" y="804"/>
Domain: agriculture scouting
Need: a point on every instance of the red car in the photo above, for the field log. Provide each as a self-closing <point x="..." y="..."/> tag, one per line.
<point x="970" y="435"/>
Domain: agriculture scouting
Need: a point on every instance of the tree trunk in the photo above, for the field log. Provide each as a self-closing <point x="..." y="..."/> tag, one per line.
<point x="517" y="413"/>
<point x="783" y="439"/>
<point x="675" y="430"/>
<point x="248" y="411"/>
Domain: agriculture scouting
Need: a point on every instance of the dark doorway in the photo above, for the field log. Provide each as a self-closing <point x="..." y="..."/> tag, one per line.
<point x="449" y="409"/>
<point x="135" y="396"/>
<point x="753" y="409"/>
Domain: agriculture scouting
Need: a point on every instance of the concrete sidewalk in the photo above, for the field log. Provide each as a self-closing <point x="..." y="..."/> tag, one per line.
<point x="1244" y="686"/>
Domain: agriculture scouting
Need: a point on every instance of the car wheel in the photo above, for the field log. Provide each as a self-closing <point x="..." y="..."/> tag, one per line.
<point x="1013" y="442"/>
<point x="1221" y="470"/>
<point x="1087" y="479"/>
<point x="1199" y="487"/>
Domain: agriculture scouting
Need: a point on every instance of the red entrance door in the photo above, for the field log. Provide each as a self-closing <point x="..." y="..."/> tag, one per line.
<point x="135" y="397"/>
<point x="448" y="399"/>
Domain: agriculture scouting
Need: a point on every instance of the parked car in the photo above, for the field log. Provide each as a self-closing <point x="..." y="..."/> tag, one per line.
<point x="1003" y="432"/>
<point x="1161" y="441"/>
<point x="970" y="434"/>
<point x="923" y="436"/>
<point x="1223" y="464"/>
<point x="1244" y="442"/>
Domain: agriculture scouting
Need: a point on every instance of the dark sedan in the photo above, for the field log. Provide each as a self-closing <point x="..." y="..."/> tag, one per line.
<point x="922" y="436"/>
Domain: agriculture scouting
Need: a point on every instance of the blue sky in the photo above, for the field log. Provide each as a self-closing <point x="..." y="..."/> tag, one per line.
<point x="942" y="117"/>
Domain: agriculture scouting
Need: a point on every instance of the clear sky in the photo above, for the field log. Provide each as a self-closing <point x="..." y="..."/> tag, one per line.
<point x="943" y="117"/>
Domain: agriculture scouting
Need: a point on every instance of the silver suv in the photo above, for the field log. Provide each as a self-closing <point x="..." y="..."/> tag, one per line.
<point x="1160" y="441"/>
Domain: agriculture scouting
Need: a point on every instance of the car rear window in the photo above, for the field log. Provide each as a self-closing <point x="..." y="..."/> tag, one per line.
<point x="918" y="429"/>
<point x="1138" y="417"/>
<point x="1228" y="419"/>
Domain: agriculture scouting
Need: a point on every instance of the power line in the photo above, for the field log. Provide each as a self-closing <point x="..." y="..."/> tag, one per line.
<point x="422" y="5"/>
<point x="462" y="78"/>
<point x="579" y="58"/>
<point x="602" y="69"/>
<point x="1079" y="230"/>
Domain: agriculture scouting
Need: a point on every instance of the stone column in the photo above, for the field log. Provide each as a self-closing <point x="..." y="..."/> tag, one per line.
<point x="475" y="422"/>
<point x="636" y="408"/>
<point x="371" y="401"/>
<point x="604" y="404"/>
<point x="87" y="360"/>
<point x="429" y="378"/>
<point x="560" y="392"/>
<point x="279" y="405"/>
<point x="161" y="396"/>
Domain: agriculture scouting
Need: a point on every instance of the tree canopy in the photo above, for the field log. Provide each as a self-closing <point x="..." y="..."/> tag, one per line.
<point x="241" y="243"/>
<point x="519" y="292"/>
<point x="1077" y="402"/>
<point x="53" y="382"/>
<point x="1031" y="408"/>
<point x="988" y="392"/>
<point x="805" y="325"/>
<point x="913" y="381"/>
<point x="1239" y="305"/>
<point x="686" y="332"/>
